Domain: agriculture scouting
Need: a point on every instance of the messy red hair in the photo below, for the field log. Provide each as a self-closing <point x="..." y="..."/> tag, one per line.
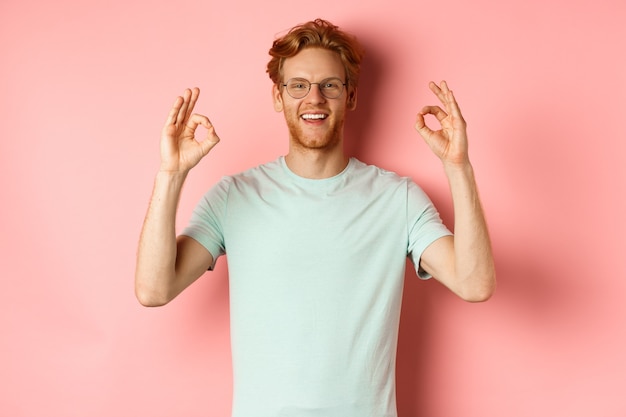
<point x="318" y="33"/>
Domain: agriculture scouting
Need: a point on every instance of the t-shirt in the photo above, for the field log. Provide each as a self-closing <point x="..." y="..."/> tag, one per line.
<point x="316" y="270"/>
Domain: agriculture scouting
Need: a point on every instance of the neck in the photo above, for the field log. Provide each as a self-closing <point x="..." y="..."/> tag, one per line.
<point x="316" y="164"/>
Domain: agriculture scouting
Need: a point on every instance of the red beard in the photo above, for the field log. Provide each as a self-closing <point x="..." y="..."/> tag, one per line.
<point x="314" y="139"/>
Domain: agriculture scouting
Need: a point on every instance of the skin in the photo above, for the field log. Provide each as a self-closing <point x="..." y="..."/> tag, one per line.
<point x="167" y="264"/>
<point x="463" y="263"/>
<point x="315" y="146"/>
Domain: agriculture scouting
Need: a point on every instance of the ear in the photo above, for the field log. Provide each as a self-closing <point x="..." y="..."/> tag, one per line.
<point x="278" y="98"/>
<point x="351" y="102"/>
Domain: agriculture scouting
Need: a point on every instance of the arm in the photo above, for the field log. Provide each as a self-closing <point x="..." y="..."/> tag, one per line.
<point x="166" y="265"/>
<point x="463" y="263"/>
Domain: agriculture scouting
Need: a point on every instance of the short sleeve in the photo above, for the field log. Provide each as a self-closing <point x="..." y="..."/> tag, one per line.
<point x="206" y="224"/>
<point x="424" y="225"/>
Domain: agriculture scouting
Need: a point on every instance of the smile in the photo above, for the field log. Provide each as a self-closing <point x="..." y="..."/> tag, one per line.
<point x="314" y="116"/>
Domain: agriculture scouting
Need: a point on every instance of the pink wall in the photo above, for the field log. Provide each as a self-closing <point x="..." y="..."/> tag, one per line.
<point x="85" y="88"/>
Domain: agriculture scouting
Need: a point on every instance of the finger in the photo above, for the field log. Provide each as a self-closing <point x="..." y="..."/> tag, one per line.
<point x="200" y="120"/>
<point x="196" y="120"/>
<point x="438" y="91"/>
<point x="182" y="112"/>
<point x="420" y="126"/>
<point x="450" y="101"/>
<point x="446" y="97"/>
<point x="436" y="111"/>
<point x="452" y="106"/>
<point x="443" y="92"/>
<point x="195" y="93"/>
<point x="211" y="140"/>
<point x="173" y="114"/>
<point x="434" y="87"/>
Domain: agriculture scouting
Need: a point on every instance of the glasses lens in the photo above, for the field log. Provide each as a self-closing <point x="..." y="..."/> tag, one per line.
<point x="298" y="87"/>
<point x="331" y="88"/>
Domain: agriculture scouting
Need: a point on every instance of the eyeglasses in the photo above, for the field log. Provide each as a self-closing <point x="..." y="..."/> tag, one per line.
<point x="329" y="88"/>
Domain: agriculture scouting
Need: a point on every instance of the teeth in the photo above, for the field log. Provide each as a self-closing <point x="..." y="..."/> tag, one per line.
<point x="314" y="116"/>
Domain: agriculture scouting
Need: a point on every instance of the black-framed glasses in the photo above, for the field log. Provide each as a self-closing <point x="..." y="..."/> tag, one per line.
<point x="329" y="88"/>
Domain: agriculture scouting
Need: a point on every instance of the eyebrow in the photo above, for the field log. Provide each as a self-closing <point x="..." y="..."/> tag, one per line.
<point x="322" y="79"/>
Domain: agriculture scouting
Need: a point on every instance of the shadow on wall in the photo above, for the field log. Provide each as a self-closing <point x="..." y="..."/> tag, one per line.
<point x="532" y="307"/>
<point x="358" y="122"/>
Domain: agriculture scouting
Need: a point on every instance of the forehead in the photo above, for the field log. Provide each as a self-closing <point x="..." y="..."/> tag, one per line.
<point x="314" y="64"/>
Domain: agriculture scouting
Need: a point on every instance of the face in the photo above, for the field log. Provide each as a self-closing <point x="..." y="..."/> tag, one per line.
<point x="314" y="122"/>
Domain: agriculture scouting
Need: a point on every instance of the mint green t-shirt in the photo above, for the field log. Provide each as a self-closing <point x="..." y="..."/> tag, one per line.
<point x="316" y="271"/>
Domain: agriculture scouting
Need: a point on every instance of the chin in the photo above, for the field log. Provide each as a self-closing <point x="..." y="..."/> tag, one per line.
<point x="328" y="141"/>
<point x="318" y="144"/>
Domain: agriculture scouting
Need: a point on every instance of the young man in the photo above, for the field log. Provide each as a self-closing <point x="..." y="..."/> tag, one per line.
<point x="316" y="241"/>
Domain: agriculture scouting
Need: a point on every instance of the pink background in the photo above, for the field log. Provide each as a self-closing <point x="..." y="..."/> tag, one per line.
<point x="85" y="88"/>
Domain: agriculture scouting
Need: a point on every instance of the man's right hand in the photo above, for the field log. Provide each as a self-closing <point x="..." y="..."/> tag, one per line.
<point x="180" y="150"/>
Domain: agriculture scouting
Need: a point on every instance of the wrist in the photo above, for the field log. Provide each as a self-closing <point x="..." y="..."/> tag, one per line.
<point x="170" y="177"/>
<point x="168" y="172"/>
<point x="458" y="167"/>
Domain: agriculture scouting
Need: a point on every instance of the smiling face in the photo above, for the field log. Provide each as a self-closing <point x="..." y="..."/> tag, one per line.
<point x="314" y="122"/>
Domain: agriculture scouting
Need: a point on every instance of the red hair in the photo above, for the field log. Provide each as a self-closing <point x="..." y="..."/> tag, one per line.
<point x="318" y="33"/>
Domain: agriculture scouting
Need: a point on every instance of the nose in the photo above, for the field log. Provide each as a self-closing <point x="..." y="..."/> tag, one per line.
<point x="315" y="94"/>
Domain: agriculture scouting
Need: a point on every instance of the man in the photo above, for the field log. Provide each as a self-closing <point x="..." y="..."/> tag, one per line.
<point x="316" y="241"/>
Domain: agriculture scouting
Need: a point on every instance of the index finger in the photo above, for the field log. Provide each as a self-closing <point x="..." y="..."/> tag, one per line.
<point x="196" y="120"/>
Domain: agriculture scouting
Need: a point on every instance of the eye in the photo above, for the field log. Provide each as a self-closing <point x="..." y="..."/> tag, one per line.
<point x="296" y="85"/>
<point x="332" y="85"/>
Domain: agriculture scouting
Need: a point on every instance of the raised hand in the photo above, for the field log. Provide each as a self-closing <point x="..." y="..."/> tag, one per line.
<point x="180" y="150"/>
<point x="450" y="142"/>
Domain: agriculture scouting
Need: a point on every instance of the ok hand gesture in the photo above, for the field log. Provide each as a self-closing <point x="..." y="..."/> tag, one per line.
<point x="180" y="151"/>
<point x="450" y="142"/>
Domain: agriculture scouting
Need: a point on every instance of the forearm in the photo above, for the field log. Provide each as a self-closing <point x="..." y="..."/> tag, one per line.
<point x="474" y="266"/>
<point x="156" y="255"/>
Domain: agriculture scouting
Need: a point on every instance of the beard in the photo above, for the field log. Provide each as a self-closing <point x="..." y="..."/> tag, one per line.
<point x="314" y="139"/>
